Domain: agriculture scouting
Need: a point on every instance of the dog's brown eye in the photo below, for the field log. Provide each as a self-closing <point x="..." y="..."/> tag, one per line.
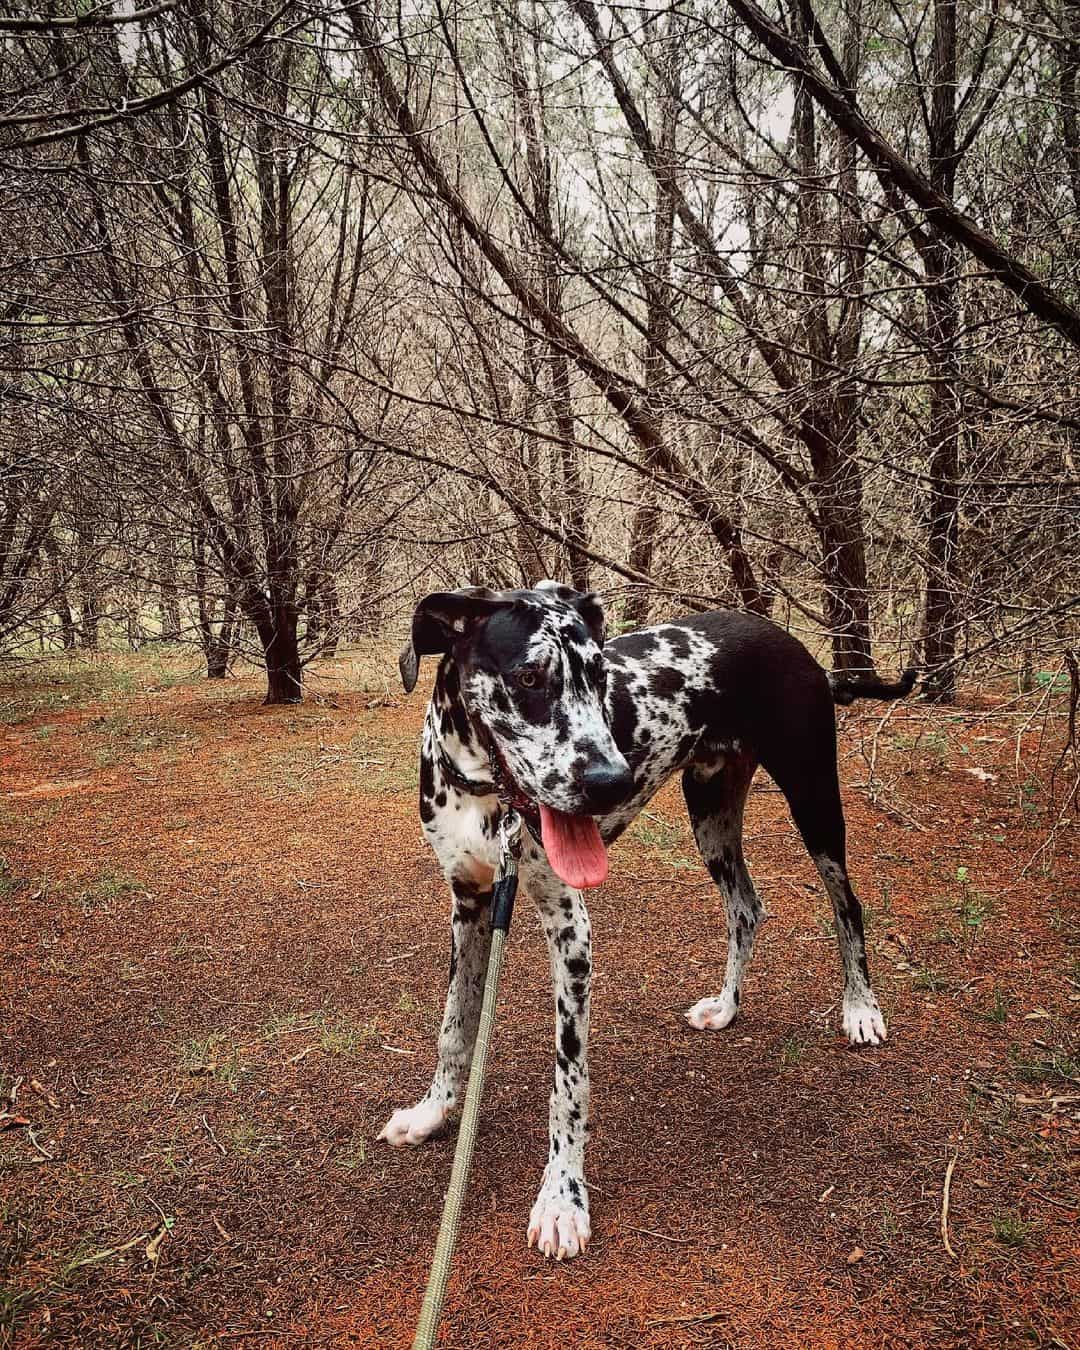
<point x="528" y="679"/>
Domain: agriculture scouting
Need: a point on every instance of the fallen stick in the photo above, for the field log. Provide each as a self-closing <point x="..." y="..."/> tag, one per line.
<point x="692" y="1319"/>
<point x="49" y="1157"/>
<point x="945" y="1208"/>
<point x="213" y="1137"/>
<point x="109" y="1251"/>
<point x="666" y="1237"/>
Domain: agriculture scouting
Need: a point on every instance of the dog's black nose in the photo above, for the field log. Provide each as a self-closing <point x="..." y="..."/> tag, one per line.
<point x="606" y="785"/>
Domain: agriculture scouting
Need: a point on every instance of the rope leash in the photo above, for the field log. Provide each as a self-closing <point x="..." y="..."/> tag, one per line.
<point x="502" y="907"/>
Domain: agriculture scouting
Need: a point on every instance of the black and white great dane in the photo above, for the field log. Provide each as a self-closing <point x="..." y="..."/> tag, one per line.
<point x="531" y="707"/>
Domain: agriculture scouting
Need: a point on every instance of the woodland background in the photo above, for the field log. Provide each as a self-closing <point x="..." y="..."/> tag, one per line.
<point x="309" y="308"/>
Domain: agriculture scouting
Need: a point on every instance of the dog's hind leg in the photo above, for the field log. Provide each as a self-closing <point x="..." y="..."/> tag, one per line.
<point x="559" y="1221"/>
<point x="470" y="940"/>
<point x="814" y="798"/>
<point x="715" y="798"/>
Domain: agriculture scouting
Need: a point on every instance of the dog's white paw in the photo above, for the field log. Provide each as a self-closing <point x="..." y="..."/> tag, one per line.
<point x="713" y="1014"/>
<point x="414" y="1124"/>
<point x="862" y="1020"/>
<point x="558" y="1224"/>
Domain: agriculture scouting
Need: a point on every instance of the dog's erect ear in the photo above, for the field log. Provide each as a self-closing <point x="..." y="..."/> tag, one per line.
<point x="439" y="620"/>
<point x="588" y="605"/>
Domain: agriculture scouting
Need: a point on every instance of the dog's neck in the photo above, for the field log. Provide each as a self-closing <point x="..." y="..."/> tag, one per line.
<point x="456" y="738"/>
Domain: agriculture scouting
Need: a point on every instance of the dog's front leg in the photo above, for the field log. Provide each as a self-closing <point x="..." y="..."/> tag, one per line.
<point x="559" y="1222"/>
<point x="470" y="940"/>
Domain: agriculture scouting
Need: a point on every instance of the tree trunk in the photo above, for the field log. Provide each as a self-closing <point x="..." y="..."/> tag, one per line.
<point x="169" y="604"/>
<point x="133" y="622"/>
<point x="828" y="426"/>
<point x="1069" y="95"/>
<point x="530" y="110"/>
<point x="940" y="612"/>
<point x="837" y="491"/>
<point x="68" y="632"/>
<point x="219" y="648"/>
<point x="276" y="627"/>
<point x="528" y="545"/>
<point x="573" y="487"/>
<point x="86" y="567"/>
<point x="658" y="320"/>
<point x="89" y="619"/>
<point x="372" y="612"/>
<point x="1027" y="665"/>
<point x="323" y="619"/>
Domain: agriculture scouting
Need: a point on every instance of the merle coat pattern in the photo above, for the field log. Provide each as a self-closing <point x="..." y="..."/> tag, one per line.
<point x="528" y="694"/>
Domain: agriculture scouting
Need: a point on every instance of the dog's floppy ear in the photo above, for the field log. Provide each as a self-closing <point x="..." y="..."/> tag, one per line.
<point x="591" y="609"/>
<point x="439" y="620"/>
<point x="588" y="605"/>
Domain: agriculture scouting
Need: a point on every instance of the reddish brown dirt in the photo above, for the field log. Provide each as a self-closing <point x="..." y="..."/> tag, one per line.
<point x="222" y="956"/>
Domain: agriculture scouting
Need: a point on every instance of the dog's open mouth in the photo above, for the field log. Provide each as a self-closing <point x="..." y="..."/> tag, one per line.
<point x="572" y="843"/>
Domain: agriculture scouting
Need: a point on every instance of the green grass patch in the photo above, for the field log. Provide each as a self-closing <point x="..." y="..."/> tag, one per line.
<point x="378" y="765"/>
<point x="195" y="950"/>
<point x="14" y="1304"/>
<point x="341" y="1035"/>
<point x="353" y="1158"/>
<point x="1010" y="1230"/>
<point x="246" y="1139"/>
<point x="930" y="980"/>
<point x="335" y="1033"/>
<point x="124" y="1179"/>
<point x="932" y="743"/>
<point x="30" y="688"/>
<point x="1056" y="1066"/>
<point x="366" y="667"/>
<point x="664" y="838"/>
<point x="33" y="687"/>
<point x="974" y="911"/>
<point x="287" y="1024"/>
<point x="998" y="1010"/>
<point x="214" y="1056"/>
<point x="1051" y="679"/>
<point x="108" y="890"/>
<point x="123" y="736"/>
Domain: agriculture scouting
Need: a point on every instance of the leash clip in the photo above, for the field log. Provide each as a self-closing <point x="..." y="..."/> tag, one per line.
<point x="506" y="876"/>
<point x="509" y="844"/>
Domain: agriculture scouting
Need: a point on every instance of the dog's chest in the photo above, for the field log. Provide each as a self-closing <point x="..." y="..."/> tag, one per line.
<point x="463" y="831"/>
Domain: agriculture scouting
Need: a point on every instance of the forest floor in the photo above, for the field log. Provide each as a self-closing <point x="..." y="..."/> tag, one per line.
<point x="222" y="961"/>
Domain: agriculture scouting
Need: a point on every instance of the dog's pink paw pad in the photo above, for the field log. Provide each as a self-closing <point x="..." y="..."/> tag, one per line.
<point x="712" y="1014"/>
<point x="414" y="1124"/>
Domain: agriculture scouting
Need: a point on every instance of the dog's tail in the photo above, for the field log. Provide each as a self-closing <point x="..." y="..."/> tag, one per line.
<point x="847" y="688"/>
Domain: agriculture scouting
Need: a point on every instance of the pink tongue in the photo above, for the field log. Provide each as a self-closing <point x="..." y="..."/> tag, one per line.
<point x="574" y="848"/>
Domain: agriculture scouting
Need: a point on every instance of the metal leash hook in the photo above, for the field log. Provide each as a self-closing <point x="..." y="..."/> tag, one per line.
<point x="506" y="875"/>
<point x="502" y="908"/>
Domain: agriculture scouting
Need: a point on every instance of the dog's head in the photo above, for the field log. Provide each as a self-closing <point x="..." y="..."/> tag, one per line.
<point x="530" y="669"/>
